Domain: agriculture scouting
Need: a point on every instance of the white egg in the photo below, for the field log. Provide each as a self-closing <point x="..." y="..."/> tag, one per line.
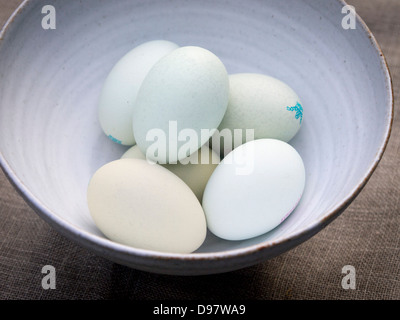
<point x="194" y="170"/>
<point x="121" y="86"/>
<point x="253" y="189"/>
<point x="180" y="104"/>
<point x="145" y="206"/>
<point x="261" y="103"/>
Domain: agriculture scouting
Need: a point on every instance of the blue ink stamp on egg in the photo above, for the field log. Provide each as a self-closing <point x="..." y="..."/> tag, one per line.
<point x="114" y="139"/>
<point x="299" y="111"/>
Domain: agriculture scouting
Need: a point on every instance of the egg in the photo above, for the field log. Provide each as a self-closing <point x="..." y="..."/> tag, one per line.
<point x="121" y="87"/>
<point x="194" y="170"/>
<point x="261" y="103"/>
<point x="253" y="189"/>
<point x="180" y="104"/>
<point x="145" y="206"/>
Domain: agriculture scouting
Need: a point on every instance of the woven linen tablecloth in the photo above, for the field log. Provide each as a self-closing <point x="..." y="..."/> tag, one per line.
<point x="365" y="236"/>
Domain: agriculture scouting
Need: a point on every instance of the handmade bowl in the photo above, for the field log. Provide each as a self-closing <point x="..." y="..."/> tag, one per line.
<point x="50" y="79"/>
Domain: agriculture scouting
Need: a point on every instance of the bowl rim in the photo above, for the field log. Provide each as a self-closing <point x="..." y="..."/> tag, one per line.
<point x="110" y="248"/>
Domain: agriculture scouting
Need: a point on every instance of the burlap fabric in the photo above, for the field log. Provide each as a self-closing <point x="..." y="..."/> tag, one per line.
<point x="365" y="236"/>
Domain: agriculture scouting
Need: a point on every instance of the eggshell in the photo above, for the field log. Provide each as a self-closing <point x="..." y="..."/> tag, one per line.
<point x="263" y="103"/>
<point x="121" y="86"/>
<point x="194" y="170"/>
<point x="187" y="90"/>
<point x="145" y="206"/>
<point x="253" y="189"/>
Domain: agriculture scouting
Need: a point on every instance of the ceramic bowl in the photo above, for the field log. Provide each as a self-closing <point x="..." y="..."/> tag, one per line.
<point x="50" y="79"/>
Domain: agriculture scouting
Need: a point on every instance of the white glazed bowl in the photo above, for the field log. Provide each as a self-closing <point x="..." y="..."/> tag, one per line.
<point x="51" y="142"/>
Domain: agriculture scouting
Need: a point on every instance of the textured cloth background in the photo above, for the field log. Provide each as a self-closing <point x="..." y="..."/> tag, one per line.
<point x="365" y="236"/>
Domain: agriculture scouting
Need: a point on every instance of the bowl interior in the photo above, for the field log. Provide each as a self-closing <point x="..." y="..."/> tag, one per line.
<point x="50" y="137"/>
